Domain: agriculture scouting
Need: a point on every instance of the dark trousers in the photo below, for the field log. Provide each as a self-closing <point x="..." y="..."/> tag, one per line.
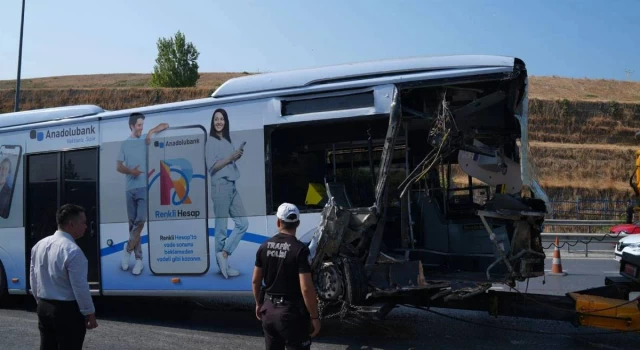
<point x="61" y="325"/>
<point x="286" y="325"/>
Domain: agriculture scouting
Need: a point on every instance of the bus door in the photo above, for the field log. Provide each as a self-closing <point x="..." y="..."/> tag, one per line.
<point x="58" y="178"/>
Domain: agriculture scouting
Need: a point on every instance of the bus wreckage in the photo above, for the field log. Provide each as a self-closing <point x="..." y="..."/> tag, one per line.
<point x="444" y="242"/>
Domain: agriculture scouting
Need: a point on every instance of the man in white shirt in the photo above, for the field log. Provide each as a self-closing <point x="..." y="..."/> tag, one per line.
<point x="59" y="283"/>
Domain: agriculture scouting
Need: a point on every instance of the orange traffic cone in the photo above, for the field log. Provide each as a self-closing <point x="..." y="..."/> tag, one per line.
<point x="556" y="266"/>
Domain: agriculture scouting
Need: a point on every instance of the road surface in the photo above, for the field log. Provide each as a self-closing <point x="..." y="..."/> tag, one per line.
<point x="582" y="273"/>
<point x="229" y="323"/>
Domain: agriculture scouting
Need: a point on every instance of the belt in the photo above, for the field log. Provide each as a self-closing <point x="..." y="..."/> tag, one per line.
<point x="60" y="302"/>
<point x="282" y="298"/>
<point x="57" y="300"/>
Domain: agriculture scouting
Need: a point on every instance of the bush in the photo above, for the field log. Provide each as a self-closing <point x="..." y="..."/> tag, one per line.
<point x="176" y="65"/>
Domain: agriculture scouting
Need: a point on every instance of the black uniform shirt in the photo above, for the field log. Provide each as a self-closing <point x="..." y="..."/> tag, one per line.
<point x="282" y="257"/>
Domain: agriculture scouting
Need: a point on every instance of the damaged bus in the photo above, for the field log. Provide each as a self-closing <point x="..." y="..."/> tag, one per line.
<point x="413" y="177"/>
<point x="434" y="195"/>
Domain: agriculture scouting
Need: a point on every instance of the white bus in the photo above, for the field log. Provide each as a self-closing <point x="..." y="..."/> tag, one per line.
<point x="404" y="170"/>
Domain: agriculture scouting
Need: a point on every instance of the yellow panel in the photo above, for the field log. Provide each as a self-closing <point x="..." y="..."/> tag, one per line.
<point x="624" y="317"/>
<point x="315" y="194"/>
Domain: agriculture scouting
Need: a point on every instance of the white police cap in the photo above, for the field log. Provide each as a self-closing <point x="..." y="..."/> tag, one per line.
<point x="285" y="210"/>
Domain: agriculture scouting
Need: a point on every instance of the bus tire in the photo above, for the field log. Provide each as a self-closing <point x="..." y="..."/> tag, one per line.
<point x="4" y="284"/>
<point x="355" y="281"/>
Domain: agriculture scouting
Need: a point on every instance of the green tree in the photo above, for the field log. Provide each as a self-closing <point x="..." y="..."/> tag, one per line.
<point x="176" y="65"/>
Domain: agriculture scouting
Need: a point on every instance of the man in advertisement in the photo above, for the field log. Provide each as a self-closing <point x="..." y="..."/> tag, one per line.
<point x="5" y="190"/>
<point x="132" y="161"/>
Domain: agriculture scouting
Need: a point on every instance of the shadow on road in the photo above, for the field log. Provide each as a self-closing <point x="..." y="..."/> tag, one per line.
<point x="236" y="316"/>
<point x="232" y="316"/>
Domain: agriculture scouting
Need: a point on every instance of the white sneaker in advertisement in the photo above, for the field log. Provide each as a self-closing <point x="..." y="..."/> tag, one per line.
<point x="137" y="268"/>
<point x="222" y="262"/>
<point x="231" y="271"/>
<point x="125" y="257"/>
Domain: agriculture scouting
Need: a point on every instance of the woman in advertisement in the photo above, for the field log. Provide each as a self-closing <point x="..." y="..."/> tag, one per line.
<point x="223" y="172"/>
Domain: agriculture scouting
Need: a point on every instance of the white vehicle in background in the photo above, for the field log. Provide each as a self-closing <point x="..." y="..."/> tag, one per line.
<point x="625" y="244"/>
<point x="630" y="265"/>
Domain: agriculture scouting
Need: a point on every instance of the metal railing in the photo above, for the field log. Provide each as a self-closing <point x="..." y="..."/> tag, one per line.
<point x="576" y="239"/>
<point x="588" y="223"/>
<point x="572" y="239"/>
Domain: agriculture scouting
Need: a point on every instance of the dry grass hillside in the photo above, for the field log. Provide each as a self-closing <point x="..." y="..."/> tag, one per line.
<point x="544" y="88"/>
<point x="554" y="88"/>
<point x="206" y="81"/>
<point x="107" y="98"/>
<point x="582" y="130"/>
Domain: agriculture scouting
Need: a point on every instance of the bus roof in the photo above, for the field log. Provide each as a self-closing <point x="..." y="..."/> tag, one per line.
<point x="47" y="114"/>
<point x="271" y="84"/>
<point x="361" y="70"/>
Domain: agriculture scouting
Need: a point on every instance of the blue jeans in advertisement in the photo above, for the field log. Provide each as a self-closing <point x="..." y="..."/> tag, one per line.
<point x="227" y="203"/>
<point x="137" y="214"/>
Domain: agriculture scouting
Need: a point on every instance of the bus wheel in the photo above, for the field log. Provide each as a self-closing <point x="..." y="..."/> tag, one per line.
<point x="342" y="280"/>
<point x="355" y="281"/>
<point x="329" y="282"/>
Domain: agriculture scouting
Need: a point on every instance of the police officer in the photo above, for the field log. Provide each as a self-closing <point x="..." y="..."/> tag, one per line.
<point x="287" y="303"/>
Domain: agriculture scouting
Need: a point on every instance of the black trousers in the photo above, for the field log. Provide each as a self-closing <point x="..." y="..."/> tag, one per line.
<point x="286" y="325"/>
<point x="61" y="325"/>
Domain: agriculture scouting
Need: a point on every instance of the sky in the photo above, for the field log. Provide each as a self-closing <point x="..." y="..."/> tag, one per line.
<point x="570" y="38"/>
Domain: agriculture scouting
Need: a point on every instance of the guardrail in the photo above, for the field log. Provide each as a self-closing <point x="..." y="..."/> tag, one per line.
<point x="602" y="238"/>
<point x="595" y="237"/>
<point x="561" y="222"/>
<point x="588" y="223"/>
<point x="578" y="238"/>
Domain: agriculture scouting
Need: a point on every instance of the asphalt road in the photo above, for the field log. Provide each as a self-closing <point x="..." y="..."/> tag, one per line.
<point x="581" y="273"/>
<point x="229" y="323"/>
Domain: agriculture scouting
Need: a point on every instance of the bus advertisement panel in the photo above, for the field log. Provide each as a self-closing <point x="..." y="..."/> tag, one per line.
<point x="177" y="208"/>
<point x="12" y="236"/>
<point x="182" y="194"/>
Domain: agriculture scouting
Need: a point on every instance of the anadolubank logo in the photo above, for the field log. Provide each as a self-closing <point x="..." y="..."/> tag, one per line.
<point x="175" y="181"/>
<point x="59" y="133"/>
<point x="35" y="135"/>
<point x="175" y="188"/>
<point x="179" y="188"/>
